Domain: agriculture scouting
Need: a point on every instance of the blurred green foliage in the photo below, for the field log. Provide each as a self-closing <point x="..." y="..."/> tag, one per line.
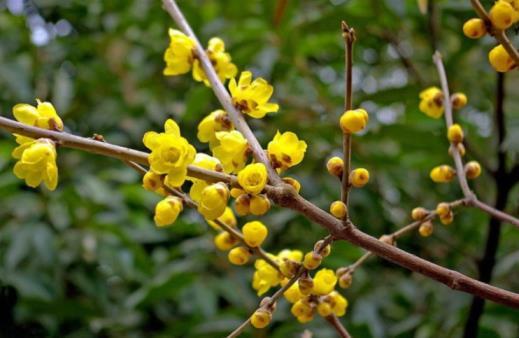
<point x="87" y="261"/>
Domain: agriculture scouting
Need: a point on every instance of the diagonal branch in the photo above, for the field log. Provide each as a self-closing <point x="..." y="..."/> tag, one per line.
<point x="219" y="90"/>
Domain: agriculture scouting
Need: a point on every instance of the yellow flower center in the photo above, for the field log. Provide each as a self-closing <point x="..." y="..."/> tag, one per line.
<point x="171" y="154"/>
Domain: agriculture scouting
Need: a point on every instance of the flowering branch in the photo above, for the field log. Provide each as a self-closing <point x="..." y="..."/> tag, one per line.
<point x="498" y="34"/>
<point x="219" y="90"/>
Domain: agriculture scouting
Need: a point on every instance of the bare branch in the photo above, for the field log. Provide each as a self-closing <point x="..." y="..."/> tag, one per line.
<point x="336" y="323"/>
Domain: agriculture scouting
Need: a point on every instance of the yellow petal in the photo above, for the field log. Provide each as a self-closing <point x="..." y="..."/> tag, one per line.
<point x="171" y="127"/>
<point x="25" y="113"/>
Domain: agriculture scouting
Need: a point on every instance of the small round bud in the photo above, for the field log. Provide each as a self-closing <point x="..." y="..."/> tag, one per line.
<point x="474" y="28"/>
<point x="239" y="255"/>
<point x="335" y="166"/>
<point x="312" y="260"/>
<point x="237" y="192"/>
<point x="419" y="213"/>
<point x="306" y="285"/>
<point x="442" y="174"/>
<point x="501" y="14"/>
<point x="325" y="252"/>
<point x="289" y="267"/>
<point x="345" y="280"/>
<point x="293" y="182"/>
<point x="472" y="170"/>
<point x="242" y="205"/>
<point x="167" y="211"/>
<point x="353" y="121"/>
<point x="448" y="218"/>
<point x="261" y="318"/>
<point x="500" y="60"/>
<point x="455" y="133"/>
<point x="259" y="205"/>
<point x="338" y="209"/>
<point x="153" y="182"/>
<point x="426" y="229"/>
<point x="359" y="177"/>
<point x="254" y="233"/>
<point x="442" y="209"/>
<point x="224" y="241"/>
<point x="459" y="100"/>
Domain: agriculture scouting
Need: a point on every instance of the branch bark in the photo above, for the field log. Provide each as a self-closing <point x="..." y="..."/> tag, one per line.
<point x="219" y="90"/>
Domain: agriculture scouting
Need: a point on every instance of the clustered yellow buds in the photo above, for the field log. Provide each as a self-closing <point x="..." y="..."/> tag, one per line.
<point x="458" y="100"/>
<point x="474" y="28"/>
<point x="455" y="133"/>
<point x="286" y="150"/>
<point x="426" y="229"/>
<point x="472" y="170"/>
<point x="338" y="209"/>
<point x="500" y="60"/>
<point x="335" y="166"/>
<point x="353" y="121"/>
<point x="359" y="177"/>
<point x="431" y="102"/>
<point x="254" y="233"/>
<point x="213" y="201"/>
<point x="37" y="158"/>
<point x="180" y="58"/>
<point x="253" y="178"/>
<point x="170" y="153"/>
<point x="239" y="255"/>
<point x="442" y="173"/>
<point x="252" y="97"/>
<point x="445" y="213"/>
<point x="167" y="211"/>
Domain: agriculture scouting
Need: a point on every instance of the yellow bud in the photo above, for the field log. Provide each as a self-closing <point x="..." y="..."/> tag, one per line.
<point x="254" y="233"/>
<point x="474" y="28"/>
<point x="345" y="280"/>
<point x="302" y="308"/>
<point x="455" y="133"/>
<point x="289" y="267"/>
<point x="253" y="178"/>
<point x="261" y="318"/>
<point x="339" y="303"/>
<point x="324" y="309"/>
<point x="213" y="201"/>
<point x="312" y="260"/>
<point x="501" y="14"/>
<point x="359" y="177"/>
<point x="224" y="241"/>
<point x="459" y="100"/>
<point x="419" y="213"/>
<point x="259" y="205"/>
<point x="242" y="205"/>
<point x="442" y="174"/>
<point x="239" y="255"/>
<point x="324" y="282"/>
<point x="335" y="166"/>
<point x="472" y="170"/>
<point x="338" y="209"/>
<point x="293" y="182"/>
<point x="353" y="121"/>
<point x="325" y="252"/>
<point x="426" y="229"/>
<point x="306" y="284"/>
<point x="235" y="192"/>
<point x="292" y="294"/>
<point x="167" y="211"/>
<point x="500" y="60"/>
<point x="442" y="209"/>
<point x="448" y="218"/>
<point x="152" y="182"/>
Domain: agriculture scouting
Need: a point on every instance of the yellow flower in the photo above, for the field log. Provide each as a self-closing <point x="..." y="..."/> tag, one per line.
<point x="254" y="233"/>
<point x="339" y="303"/>
<point x="170" y="153"/>
<point x="324" y="282"/>
<point x="431" y="102"/>
<point x="212" y="123"/>
<point x="167" y="211"/>
<point x="42" y="116"/>
<point x="207" y="162"/>
<point x="292" y="294"/>
<point x="179" y="55"/>
<point x="232" y="150"/>
<point x="253" y="178"/>
<point x="286" y="150"/>
<point x="227" y="217"/>
<point x="221" y="62"/>
<point x="251" y="97"/>
<point x="213" y="201"/>
<point x="265" y="276"/>
<point x="36" y="162"/>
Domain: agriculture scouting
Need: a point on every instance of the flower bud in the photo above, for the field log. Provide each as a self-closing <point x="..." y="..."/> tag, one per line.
<point x="335" y="166"/>
<point x="472" y="170"/>
<point x="261" y="318"/>
<point x="293" y="182"/>
<point x="325" y="252"/>
<point x="312" y="260"/>
<point x="419" y="213"/>
<point x="458" y="100"/>
<point x="254" y="233"/>
<point x="239" y="255"/>
<point x="224" y="241"/>
<point x="474" y="28"/>
<point x="426" y="229"/>
<point x="442" y="173"/>
<point x="455" y="133"/>
<point x="338" y="209"/>
<point x="353" y="121"/>
<point x="442" y="209"/>
<point x="359" y="177"/>
<point x="259" y="205"/>
<point x="167" y="211"/>
<point x="242" y="205"/>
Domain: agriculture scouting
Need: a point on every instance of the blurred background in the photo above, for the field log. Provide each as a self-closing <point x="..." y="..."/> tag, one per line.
<point x="87" y="260"/>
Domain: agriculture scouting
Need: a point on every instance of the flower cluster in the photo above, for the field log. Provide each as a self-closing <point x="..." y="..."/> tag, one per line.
<point x="37" y="158"/>
<point x="503" y="14"/>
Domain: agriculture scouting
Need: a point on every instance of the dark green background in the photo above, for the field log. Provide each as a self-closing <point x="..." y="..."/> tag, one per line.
<point x="87" y="261"/>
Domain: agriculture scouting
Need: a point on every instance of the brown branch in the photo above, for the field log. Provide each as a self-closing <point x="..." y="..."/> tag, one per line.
<point x="286" y="196"/>
<point x="499" y="34"/>
<point x="336" y="323"/>
<point x="348" y="35"/>
<point x="219" y="90"/>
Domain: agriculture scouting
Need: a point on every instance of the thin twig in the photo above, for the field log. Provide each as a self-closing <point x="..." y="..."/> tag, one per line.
<point x="499" y="34"/>
<point x="219" y="90"/>
<point x="336" y="323"/>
